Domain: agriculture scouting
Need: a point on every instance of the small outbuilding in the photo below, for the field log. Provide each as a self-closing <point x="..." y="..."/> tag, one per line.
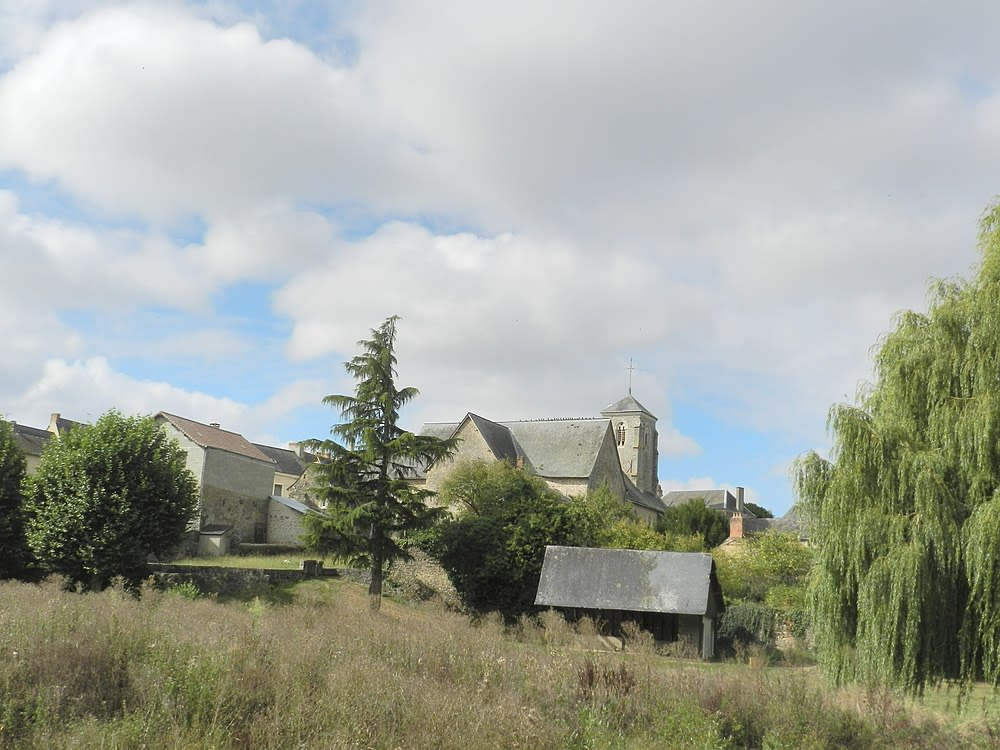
<point x="673" y="595"/>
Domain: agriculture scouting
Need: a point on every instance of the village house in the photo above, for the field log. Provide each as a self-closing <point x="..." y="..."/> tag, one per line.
<point x="32" y="440"/>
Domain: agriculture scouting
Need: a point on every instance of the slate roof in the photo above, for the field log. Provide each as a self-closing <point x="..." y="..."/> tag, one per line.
<point x="629" y="580"/>
<point x="288" y="461"/>
<point x="296" y="505"/>
<point x="555" y="448"/>
<point x="31" y="440"/>
<point x="440" y="430"/>
<point x="560" y="447"/>
<point x="714" y="499"/>
<point x="213" y="437"/>
<point x="644" y="499"/>
<point x="62" y="424"/>
<point x="625" y="405"/>
<point x="497" y="437"/>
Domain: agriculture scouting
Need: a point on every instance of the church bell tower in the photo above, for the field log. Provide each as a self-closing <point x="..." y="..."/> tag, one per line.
<point x="634" y="430"/>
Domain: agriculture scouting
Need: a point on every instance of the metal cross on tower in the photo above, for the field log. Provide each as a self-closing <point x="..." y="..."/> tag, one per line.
<point x="630" y="370"/>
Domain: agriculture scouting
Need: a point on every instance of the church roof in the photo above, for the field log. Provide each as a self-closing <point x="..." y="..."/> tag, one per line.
<point x="555" y="448"/>
<point x="497" y="437"/>
<point x="626" y="405"/>
<point x="560" y="447"/>
<point x="629" y="580"/>
<point x="643" y="499"/>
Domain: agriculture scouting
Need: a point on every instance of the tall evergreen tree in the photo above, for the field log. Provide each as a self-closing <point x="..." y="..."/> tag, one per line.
<point x="14" y="553"/>
<point x="906" y="515"/>
<point x="369" y="502"/>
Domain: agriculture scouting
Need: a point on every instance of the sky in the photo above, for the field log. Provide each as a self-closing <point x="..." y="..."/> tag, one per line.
<point x="205" y="205"/>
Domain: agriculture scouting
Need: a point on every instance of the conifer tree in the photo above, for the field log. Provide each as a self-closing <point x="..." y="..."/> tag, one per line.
<point x="906" y="515"/>
<point x="369" y="501"/>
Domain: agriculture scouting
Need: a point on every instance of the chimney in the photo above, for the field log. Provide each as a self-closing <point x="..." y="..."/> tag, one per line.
<point x="736" y="526"/>
<point x="297" y="448"/>
<point x="54" y="423"/>
<point x="739" y="501"/>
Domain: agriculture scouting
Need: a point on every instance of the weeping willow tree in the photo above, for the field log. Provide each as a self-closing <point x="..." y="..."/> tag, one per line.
<point x="906" y="515"/>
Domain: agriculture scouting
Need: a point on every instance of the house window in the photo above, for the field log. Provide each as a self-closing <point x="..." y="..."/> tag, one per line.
<point x="621" y="433"/>
<point x="277" y="490"/>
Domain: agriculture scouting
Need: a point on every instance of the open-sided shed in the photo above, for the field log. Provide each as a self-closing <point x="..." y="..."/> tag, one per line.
<point x="674" y="595"/>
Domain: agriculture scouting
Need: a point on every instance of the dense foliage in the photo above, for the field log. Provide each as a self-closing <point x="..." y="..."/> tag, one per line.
<point x="368" y="501"/>
<point x="906" y="515"/>
<point x="14" y="554"/>
<point x="758" y="510"/>
<point x="694" y="517"/>
<point x="493" y="548"/>
<point x="494" y="545"/>
<point x="107" y="496"/>
<point x="764" y="579"/>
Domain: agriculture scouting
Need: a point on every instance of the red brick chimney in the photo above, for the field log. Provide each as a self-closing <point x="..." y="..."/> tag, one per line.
<point x="736" y="526"/>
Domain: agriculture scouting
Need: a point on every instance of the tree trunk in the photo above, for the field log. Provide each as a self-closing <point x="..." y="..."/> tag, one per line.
<point x="375" y="586"/>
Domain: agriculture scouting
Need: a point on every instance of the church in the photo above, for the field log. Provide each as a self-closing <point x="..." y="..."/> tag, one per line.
<point x="617" y="449"/>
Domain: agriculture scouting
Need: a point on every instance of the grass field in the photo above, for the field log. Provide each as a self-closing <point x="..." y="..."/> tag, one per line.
<point x="291" y="561"/>
<point x="169" y="671"/>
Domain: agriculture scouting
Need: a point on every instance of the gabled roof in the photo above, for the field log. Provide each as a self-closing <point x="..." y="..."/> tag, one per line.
<point x="288" y="461"/>
<point x="31" y="440"/>
<point x="213" y="437"/>
<point x="629" y="580"/>
<point x="625" y="406"/>
<point x="714" y="499"/>
<point x="497" y="437"/>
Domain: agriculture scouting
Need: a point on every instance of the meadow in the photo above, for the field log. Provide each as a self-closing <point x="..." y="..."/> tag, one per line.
<point x="173" y="670"/>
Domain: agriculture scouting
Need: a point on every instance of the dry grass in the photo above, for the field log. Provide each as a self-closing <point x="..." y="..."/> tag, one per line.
<point x="291" y="561"/>
<point x="107" y="670"/>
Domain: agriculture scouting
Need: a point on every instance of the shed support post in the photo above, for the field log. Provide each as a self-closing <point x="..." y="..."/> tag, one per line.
<point x="707" y="637"/>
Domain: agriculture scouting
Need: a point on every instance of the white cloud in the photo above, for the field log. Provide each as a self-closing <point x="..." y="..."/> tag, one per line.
<point x="83" y="390"/>
<point x="739" y="198"/>
<point x="145" y="110"/>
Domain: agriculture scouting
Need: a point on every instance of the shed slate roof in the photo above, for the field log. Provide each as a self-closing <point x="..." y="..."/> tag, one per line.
<point x="288" y="461"/>
<point x="31" y="440"/>
<point x="629" y="580"/>
<point x="213" y="437"/>
<point x="624" y="406"/>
